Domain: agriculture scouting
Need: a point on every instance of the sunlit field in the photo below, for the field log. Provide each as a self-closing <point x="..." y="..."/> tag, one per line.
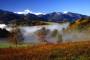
<point x="8" y="45"/>
<point x="63" y="51"/>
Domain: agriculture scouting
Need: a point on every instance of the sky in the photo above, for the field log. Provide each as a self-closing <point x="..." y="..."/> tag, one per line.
<point x="46" y="6"/>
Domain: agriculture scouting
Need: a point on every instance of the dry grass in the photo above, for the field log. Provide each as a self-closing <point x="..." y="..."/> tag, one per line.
<point x="64" y="51"/>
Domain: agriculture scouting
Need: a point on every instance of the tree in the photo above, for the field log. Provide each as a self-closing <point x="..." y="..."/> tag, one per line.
<point x="16" y="36"/>
<point x="42" y="33"/>
<point x="57" y="35"/>
<point x="4" y="33"/>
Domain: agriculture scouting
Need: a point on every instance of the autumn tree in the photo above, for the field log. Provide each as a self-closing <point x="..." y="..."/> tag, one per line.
<point x="16" y="36"/>
<point x="57" y="35"/>
<point x="41" y="34"/>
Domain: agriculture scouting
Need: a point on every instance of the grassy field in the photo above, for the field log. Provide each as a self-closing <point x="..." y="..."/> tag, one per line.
<point x="9" y="45"/>
<point x="63" y="51"/>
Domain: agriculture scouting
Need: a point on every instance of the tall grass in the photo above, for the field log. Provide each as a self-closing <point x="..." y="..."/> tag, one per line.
<point x="63" y="51"/>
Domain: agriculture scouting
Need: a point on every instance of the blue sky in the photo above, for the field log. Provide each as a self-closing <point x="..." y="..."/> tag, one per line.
<point x="47" y="6"/>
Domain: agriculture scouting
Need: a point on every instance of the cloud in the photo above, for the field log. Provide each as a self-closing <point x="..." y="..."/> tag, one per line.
<point x="28" y="11"/>
<point x="2" y="26"/>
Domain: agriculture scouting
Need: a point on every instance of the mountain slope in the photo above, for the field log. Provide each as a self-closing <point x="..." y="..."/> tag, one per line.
<point x="6" y="16"/>
<point x="81" y="24"/>
<point x="59" y="17"/>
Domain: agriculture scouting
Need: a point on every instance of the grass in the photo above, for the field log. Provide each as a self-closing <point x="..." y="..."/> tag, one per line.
<point x="63" y="51"/>
<point x="4" y="45"/>
<point x="8" y="45"/>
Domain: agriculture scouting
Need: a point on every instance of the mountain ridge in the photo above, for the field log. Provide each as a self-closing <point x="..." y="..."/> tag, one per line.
<point x="57" y="17"/>
<point x="7" y="16"/>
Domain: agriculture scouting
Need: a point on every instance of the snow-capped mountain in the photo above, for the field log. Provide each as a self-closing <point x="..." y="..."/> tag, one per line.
<point x="27" y="11"/>
<point x="59" y="16"/>
<point x="7" y="16"/>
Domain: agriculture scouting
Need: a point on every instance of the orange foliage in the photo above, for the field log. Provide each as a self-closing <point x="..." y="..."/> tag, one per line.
<point x="47" y="51"/>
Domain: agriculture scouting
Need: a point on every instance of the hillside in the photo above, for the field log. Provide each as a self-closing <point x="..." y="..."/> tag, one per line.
<point x="81" y="24"/>
<point x="64" y="51"/>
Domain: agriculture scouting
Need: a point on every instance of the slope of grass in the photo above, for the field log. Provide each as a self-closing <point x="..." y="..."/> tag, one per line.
<point x="80" y="24"/>
<point x="63" y="51"/>
<point x="9" y="45"/>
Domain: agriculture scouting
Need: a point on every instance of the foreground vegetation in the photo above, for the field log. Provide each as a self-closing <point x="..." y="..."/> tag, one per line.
<point x="63" y="51"/>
